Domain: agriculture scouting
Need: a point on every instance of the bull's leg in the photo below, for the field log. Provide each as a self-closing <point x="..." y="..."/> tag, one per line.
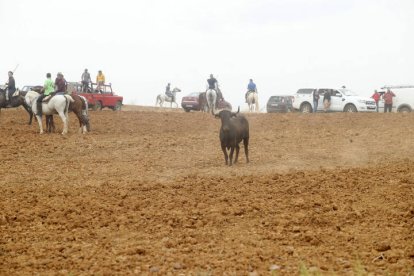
<point x="231" y="155"/>
<point x="237" y="153"/>
<point x="226" y="157"/>
<point x="246" y="148"/>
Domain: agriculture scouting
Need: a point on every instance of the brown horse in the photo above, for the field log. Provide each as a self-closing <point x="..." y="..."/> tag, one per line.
<point x="15" y="102"/>
<point x="80" y="108"/>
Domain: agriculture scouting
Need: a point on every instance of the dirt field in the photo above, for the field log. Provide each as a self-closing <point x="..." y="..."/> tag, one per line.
<point x="147" y="192"/>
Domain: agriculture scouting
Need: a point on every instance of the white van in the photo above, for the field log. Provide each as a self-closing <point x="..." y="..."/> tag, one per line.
<point x="403" y="100"/>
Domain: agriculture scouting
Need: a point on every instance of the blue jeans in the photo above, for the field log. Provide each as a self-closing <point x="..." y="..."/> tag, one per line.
<point x="315" y="106"/>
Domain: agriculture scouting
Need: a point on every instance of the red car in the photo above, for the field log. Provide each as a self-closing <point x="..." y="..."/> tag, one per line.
<point x="105" y="97"/>
<point x="197" y="101"/>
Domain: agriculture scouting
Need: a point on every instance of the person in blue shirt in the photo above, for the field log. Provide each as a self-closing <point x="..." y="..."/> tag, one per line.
<point x="251" y="87"/>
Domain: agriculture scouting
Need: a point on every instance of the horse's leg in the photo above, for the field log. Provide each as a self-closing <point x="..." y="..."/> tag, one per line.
<point x="65" y="122"/>
<point x="39" y="121"/>
<point x="81" y="124"/>
<point x="29" y="110"/>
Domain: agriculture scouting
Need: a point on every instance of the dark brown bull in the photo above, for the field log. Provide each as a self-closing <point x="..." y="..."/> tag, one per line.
<point x="234" y="129"/>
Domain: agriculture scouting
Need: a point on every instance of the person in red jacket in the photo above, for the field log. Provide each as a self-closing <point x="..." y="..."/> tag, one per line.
<point x="376" y="96"/>
<point x="388" y="100"/>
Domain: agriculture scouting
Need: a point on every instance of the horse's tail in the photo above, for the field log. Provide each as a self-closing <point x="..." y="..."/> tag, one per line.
<point x="158" y="99"/>
<point x="69" y="100"/>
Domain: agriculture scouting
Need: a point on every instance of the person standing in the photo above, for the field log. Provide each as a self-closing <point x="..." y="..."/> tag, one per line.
<point x="86" y="80"/>
<point x="100" y="80"/>
<point x="327" y="100"/>
<point x="315" y="100"/>
<point x="251" y="87"/>
<point x="48" y="88"/>
<point x="388" y="100"/>
<point x="11" y="86"/>
<point x="376" y="96"/>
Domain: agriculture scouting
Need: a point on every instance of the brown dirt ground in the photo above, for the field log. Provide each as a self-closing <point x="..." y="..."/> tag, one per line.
<point x="147" y="192"/>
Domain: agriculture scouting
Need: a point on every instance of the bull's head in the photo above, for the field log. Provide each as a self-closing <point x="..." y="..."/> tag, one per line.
<point x="232" y="114"/>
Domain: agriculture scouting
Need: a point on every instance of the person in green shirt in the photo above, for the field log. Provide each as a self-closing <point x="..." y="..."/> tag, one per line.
<point x="48" y="88"/>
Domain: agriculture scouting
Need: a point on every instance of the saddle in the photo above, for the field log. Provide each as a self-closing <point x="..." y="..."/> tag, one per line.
<point x="50" y="96"/>
<point x="16" y="93"/>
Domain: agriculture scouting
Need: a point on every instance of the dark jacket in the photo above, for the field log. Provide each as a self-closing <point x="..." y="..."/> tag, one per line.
<point x="11" y="85"/>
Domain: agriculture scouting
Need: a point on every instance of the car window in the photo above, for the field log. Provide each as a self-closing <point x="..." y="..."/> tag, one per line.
<point x="305" y="91"/>
<point x="336" y="93"/>
<point x="348" y="92"/>
<point x="322" y="91"/>
<point x="194" y="94"/>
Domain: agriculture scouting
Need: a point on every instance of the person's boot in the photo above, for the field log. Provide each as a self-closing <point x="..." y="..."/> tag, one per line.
<point x="39" y="109"/>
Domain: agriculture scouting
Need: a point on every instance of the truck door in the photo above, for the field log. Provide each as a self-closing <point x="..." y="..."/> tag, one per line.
<point x="337" y="100"/>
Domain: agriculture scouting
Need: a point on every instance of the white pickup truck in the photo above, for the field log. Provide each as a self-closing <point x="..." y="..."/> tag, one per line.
<point x="342" y="100"/>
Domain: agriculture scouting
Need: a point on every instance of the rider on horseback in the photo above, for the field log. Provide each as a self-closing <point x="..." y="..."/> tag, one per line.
<point x="213" y="84"/>
<point x="11" y="87"/>
<point x="48" y="88"/>
<point x="168" y="92"/>
<point x="251" y="88"/>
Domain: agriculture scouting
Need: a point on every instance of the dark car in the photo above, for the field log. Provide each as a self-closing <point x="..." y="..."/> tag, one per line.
<point x="197" y="101"/>
<point x="191" y="102"/>
<point x="279" y="104"/>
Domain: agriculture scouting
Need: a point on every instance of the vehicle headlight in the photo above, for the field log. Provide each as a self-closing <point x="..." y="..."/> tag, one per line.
<point x="362" y="101"/>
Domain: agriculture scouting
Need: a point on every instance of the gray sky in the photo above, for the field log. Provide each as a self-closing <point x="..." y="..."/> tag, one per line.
<point x="142" y="45"/>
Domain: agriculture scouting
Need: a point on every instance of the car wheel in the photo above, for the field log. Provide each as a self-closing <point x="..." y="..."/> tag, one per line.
<point x="97" y="106"/>
<point x="306" y="108"/>
<point x="186" y="110"/>
<point x="404" y="109"/>
<point x="350" y="108"/>
<point x="118" y="106"/>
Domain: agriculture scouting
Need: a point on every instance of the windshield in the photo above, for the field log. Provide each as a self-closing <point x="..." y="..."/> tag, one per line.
<point x="194" y="94"/>
<point x="348" y="92"/>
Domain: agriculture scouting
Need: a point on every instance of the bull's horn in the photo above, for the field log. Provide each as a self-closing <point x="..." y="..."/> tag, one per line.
<point x="216" y="112"/>
<point x="235" y="113"/>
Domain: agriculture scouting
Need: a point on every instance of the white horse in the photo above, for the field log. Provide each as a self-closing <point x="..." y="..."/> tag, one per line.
<point x="211" y="96"/>
<point x="57" y="104"/>
<point x="253" y="102"/>
<point x="161" y="98"/>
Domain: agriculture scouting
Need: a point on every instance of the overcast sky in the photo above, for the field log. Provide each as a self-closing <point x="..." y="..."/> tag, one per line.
<point x="142" y="45"/>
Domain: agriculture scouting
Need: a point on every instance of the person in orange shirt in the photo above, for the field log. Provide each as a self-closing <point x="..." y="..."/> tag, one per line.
<point x="376" y="96"/>
<point x="388" y="101"/>
<point x="100" y="80"/>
